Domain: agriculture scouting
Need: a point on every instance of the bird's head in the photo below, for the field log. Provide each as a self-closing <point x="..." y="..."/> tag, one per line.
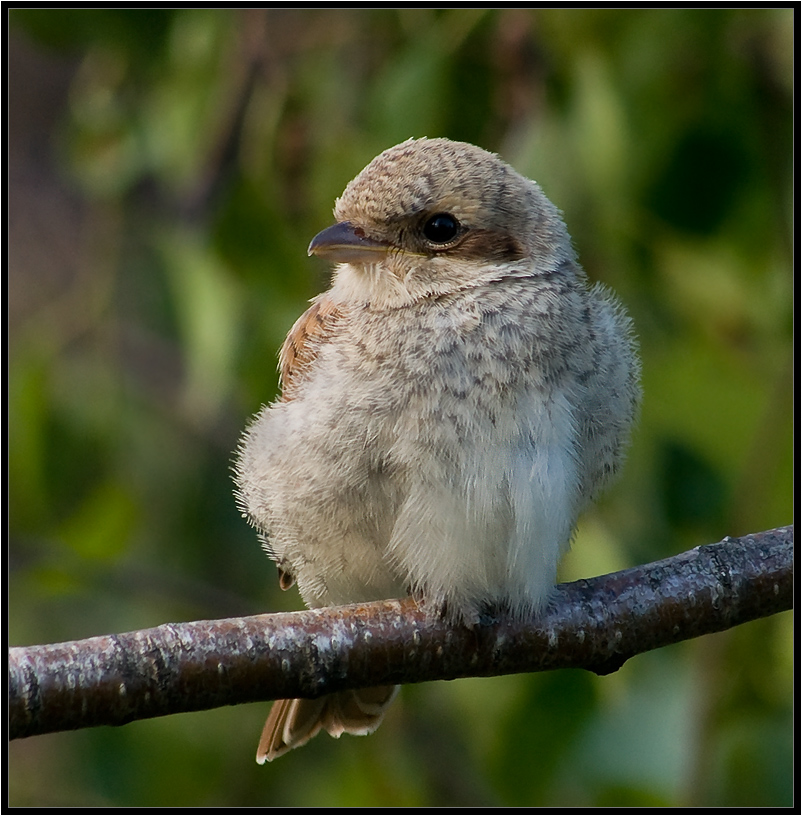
<point x="429" y="217"/>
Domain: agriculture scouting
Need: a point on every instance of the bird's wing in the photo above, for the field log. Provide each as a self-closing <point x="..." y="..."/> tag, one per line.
<point x="299" y="352"/>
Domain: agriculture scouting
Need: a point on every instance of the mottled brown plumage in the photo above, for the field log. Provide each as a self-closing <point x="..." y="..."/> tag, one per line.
<point x="450" y="405"/>
<point x="298" y="353"/>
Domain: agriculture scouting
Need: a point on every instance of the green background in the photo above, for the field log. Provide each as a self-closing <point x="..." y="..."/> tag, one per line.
<point x="167" y="169"/>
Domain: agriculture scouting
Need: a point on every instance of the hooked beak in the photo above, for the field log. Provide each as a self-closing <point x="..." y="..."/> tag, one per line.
<point x="345" y="243"/>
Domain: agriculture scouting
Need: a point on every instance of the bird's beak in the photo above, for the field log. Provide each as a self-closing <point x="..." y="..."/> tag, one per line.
<point x="345" y="243"/>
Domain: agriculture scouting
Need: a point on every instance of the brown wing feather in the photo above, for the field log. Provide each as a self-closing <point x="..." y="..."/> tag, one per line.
<point x="300" y="349"/>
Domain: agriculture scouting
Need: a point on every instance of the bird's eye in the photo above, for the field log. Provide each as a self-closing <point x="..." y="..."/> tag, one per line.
<point x="441" y="228"/>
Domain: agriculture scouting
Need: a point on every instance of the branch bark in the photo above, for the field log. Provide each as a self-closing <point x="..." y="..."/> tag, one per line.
<point x="594" y="624"/>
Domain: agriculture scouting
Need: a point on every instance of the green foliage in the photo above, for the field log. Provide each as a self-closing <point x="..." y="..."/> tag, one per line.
<point x="167" y="171"/>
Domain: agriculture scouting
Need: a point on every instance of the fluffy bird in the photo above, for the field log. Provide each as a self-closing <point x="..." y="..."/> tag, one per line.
<point x="449" y="406"/>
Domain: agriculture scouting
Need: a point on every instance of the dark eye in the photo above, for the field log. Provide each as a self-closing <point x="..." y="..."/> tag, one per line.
<point x="441" y="228"/>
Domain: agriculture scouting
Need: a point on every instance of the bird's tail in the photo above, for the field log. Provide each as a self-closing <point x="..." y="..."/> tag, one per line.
<point x="292" y="723"/>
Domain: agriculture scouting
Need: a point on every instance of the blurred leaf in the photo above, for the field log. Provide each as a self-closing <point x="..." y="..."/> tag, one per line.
<point x="619" y="797"/>
<point x="541" y="732"/>
<point x="144" y="32"/>
<point x="27" y="460"/>
<point x="755" y="770"/>
<point x="701" y="182"/>
<point x="694" y="492"/>
<point x="102" y="524"/>
<point x="207" y="302"/>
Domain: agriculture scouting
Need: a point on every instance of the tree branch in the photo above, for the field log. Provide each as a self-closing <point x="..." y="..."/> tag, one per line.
<point x="594" y="624"/>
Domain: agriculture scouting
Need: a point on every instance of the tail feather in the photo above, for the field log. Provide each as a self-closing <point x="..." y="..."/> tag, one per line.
<point x="292" y="723"/>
